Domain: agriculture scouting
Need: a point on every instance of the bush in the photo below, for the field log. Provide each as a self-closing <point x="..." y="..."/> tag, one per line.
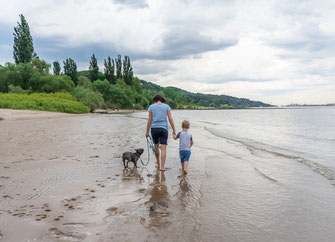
<point x="84" y="81"/>
<point x="16" y="89"/>
<point x="56" y="102"/>
<point x="90" y="98"/>
<point x="50" y="83"/>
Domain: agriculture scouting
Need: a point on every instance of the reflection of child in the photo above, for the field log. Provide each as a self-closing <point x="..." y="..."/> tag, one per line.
<point x="185" y="143"/>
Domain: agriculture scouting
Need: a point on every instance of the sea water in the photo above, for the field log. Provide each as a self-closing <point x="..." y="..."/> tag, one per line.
<point x="254" y="175"/>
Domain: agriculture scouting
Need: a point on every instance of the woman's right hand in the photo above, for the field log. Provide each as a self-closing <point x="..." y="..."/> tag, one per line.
<point x="147" y="134"/>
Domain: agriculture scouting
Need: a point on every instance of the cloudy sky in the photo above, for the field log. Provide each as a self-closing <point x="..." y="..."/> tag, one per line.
<point x="276" y="51"/>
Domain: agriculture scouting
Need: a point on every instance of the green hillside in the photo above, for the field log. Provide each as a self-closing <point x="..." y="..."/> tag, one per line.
<point x="178" y="95"/>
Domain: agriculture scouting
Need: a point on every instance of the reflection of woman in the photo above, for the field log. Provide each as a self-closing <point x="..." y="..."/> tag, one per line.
<point x="158" y="114"/>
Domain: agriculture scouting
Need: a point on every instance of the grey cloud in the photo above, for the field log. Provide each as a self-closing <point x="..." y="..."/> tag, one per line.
<point x="54" y="48"/>
<point x="156" y="67"/>
<point x="177" y="44"/>
<point x="132" y="3"/>
<point x="231" y="78"/>
<point x="307" y="38"/>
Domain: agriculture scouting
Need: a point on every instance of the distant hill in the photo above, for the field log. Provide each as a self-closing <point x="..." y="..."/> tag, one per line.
<point x="206" y="100"/>
<point x="179" y="98"/>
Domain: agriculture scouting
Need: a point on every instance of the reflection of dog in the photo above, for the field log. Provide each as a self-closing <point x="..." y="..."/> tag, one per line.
<point x="131" y="157"/>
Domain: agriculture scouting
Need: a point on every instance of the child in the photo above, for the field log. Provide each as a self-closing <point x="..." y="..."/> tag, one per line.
<point x="185" y="143"/>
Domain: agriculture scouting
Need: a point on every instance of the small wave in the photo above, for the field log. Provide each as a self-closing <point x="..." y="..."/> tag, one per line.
<point x="264" y="175"/>
<point x="325" y="171"/>
<point x="221" y="151"/>
<point x="206" y="122"/>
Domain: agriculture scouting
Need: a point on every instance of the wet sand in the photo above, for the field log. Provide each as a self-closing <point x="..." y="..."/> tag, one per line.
<point x="62" y="179"/>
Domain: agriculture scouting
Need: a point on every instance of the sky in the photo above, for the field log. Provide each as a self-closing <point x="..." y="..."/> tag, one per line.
<point x="275" y="51"/>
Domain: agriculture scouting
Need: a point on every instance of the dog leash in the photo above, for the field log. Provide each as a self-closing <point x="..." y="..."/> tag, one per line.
<point x="150" y="146"/>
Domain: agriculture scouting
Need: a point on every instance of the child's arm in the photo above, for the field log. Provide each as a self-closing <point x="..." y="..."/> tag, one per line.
<point x="191" y="140"/>
<point x="176" y="136"/>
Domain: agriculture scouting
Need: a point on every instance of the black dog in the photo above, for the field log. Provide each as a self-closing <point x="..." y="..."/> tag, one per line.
<point x="133" y="157"/>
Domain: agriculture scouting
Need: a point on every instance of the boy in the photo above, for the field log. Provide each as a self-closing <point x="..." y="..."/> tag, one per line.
<point x="185" y="143"/>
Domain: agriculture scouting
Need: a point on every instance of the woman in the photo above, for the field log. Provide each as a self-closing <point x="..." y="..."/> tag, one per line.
<point x="158" y="114"/>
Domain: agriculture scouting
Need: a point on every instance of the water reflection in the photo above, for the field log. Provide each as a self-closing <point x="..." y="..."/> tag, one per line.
<point x="159" y="202"/>
<point x="132" y="175"/>
<point x="184" y="192"/>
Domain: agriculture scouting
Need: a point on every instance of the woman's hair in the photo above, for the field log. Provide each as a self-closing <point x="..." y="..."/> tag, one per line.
<point x="185" y="124"/>
<point x="159" y="97"/>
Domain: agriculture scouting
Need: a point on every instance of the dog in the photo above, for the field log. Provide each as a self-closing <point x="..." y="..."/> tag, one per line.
<point x="131" y="157"/>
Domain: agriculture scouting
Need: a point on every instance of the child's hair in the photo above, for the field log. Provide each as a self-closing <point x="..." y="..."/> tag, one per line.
<point x="185" y="124"/>
<point x="159" y="97"/>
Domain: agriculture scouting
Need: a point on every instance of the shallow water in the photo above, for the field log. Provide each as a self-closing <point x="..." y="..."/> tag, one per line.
<point x="254" y="175"/>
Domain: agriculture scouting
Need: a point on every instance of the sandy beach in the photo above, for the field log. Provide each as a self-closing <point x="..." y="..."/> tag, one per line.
<point x="62" y="179"/>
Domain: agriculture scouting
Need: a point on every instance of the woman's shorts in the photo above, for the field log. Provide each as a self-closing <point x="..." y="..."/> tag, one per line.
<point x="159" y="136"/>
<point x="184" y="155"/>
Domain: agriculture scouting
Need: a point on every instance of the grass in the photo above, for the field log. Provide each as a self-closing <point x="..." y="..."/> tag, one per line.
<point x="53" y="102"/>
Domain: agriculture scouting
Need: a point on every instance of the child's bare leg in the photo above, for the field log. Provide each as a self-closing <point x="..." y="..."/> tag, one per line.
<point x="182" y="165"/>
<point x="185" y="166"/>
<point x="163" y="157"/>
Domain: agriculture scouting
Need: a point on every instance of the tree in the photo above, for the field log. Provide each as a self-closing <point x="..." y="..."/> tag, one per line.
<point x="23" y="42"/>
<point x="127" y="71"/>
<point x="56" y="68"/>
<point x="70" y="69"/>
<point x="94" y="68"/>
<point x="40" y="66"/>
<point x="110" y="70"/>
<point x="118" y="63"/>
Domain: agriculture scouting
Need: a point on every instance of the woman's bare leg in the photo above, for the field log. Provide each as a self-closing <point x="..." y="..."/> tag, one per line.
<point x="157" y="154"/>
<point x="163" y="157"/>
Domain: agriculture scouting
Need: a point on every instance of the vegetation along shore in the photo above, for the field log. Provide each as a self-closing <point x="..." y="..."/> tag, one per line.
<point x="29" y="84"/>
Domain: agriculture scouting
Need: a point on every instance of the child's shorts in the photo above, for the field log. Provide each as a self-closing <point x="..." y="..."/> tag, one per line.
<point x="184" y="155"/>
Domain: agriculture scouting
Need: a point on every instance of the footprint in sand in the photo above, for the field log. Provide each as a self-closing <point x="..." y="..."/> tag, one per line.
<point x="142" y="190"/>
<point x="7" y="196"/>
<point x="114" y="210"/>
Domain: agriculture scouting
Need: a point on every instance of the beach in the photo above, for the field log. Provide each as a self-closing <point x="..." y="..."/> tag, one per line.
<point x="62" y="179"/>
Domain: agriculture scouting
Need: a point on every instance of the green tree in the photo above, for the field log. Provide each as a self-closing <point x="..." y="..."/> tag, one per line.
<point x="110" y="70"/>
<point x="23" y="42"/>
<point x="56" y="68"/>
<point x="118" y="63"/>
<point x="94" y="68"/>
<point x="40" y="65"/>
<point x="90" y="98"/>
<point x="70" y="69"/>
<point x="84" y="81"/>
<point x="127" y="71"/>
<point x="3" y="80"/>
<point x="136" y="83"/>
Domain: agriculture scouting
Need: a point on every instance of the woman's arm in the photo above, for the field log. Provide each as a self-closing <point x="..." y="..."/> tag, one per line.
<point x="171" y="122"/>
<point x="149" y="124"/>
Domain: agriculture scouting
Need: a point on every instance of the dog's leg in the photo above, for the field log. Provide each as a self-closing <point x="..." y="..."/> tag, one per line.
<point x="124" y="162"/>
